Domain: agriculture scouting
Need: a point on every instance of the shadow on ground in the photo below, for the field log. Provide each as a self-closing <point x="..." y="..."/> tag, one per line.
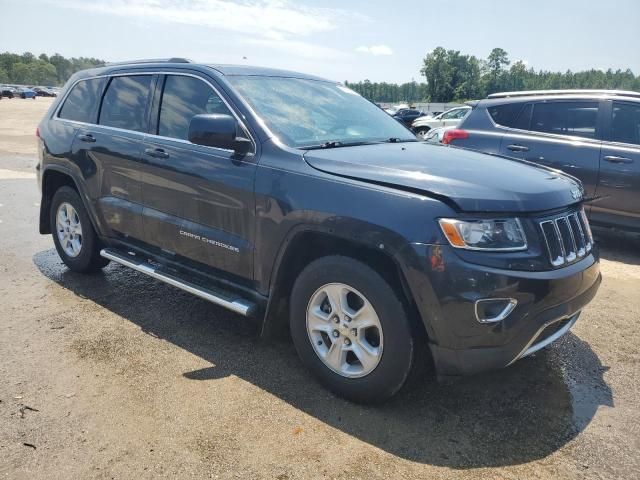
<point x="513" y="416"/>
<point x="618" y="246"/>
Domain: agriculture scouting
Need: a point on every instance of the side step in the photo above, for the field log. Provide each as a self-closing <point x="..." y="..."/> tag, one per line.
<point x="220" y="297"/>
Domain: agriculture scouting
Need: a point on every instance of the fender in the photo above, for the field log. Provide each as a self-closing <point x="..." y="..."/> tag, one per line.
<point x="45" y="203"/>
<point x="276" y="279"/>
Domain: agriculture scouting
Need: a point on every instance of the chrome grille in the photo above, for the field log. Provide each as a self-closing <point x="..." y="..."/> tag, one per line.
<point x="568" y="238"/>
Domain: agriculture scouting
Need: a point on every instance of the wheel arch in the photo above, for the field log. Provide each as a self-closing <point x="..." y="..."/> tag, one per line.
<point x="53" y="178"/>
<point x="305" y="246"/>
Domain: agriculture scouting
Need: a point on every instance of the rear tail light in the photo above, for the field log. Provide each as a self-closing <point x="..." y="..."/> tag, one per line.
<point x="454" y="134"/>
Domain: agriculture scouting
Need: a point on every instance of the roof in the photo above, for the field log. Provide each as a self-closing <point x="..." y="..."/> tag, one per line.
<point x="222" y="69"/>
<point x="232" y="70"/>
<point x="582" y="92"/>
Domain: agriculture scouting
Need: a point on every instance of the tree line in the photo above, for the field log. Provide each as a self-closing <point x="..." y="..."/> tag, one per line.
<point x="54" y="70"/>
<point x="452" y="77"/>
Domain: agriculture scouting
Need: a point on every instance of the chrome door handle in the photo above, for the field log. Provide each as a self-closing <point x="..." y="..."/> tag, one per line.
<point x="616" y="159"/>
<point x="86" y="137"/>
<point x="517" y="148"/>
<point x="156" y="153"/>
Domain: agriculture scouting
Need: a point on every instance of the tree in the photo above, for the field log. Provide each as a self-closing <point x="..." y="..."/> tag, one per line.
<point x="495" y="78"/>
<point x="27" y="69"/>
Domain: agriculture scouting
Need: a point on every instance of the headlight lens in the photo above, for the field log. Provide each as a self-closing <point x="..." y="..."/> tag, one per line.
<point x="489" y="235"/>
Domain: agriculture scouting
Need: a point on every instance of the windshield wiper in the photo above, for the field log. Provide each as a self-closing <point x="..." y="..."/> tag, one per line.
<point x="333" y="144"/>
<point x="399" y="140"/>
<point x="338" y="143"/>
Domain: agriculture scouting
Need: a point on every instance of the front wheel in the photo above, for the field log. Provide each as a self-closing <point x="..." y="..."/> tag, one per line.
<point x="351" y="329"/>
<point x="73" y="234"/>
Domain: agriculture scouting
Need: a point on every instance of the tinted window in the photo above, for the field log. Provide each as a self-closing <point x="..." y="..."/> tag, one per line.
<point x="566" y="118"/>
<point x="81" y="103"/>
<point x="625" y="123"/>
<point x="524" y="118"/>
<point x="506" y="114"/>
<point x="125" y="103"/>
<point x="182" y="99"/>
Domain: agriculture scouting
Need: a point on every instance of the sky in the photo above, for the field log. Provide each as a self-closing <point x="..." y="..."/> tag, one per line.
<point x="341" y="40"/>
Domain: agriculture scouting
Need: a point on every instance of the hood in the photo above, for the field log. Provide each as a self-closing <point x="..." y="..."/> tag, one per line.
<point x="472" y="181"/>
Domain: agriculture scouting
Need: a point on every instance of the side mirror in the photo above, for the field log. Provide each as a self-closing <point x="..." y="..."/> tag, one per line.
<point x="217" y="130"/>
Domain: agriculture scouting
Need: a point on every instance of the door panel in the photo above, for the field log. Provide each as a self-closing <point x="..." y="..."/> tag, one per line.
<point x="619" y="183"/>
<point x="198" y="200"/>
<point x="563" y="136"/>
<point x="199" y="203"/>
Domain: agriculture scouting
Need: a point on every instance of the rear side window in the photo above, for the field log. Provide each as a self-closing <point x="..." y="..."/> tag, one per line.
<point x="125" y="103"/>
<point x="625" y="123"/>
<point x="81" y="104"/>
<point x="566" y="118"/>
<point x="182" y="99"/>
<point x="505" y="115"/>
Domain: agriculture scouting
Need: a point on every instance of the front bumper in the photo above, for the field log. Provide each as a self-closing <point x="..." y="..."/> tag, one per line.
<point x="548" y="304"/>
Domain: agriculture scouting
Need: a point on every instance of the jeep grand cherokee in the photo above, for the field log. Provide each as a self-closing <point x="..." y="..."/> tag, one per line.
<point x="287" y="197"/>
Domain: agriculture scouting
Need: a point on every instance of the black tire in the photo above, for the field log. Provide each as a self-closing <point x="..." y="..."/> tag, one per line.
<point x="89" y="259"/>
<point x="398" y="352"/>
<point x="420" y="132"/>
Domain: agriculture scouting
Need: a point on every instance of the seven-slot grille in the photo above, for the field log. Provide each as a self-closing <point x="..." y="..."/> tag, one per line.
<point x="568" y="238"/>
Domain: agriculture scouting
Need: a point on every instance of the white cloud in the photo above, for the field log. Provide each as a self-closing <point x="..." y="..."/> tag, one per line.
<point x="375" y="50"/>
<point x="277" y="24"/>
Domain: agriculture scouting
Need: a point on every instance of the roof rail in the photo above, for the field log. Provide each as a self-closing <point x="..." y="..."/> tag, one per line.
<point x="151" y="60"/>
<point x="530" y="93"/>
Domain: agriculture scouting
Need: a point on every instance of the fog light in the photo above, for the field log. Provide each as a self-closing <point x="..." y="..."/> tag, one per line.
<point x="491" y="310"/>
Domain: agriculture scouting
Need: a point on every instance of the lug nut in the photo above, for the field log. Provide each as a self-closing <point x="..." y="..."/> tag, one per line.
<point x="347" y="341"/>
<point x="347" y="318"/>
<point x="336" y="319"/>
<point x="336" y="333"/>
<point x="354" y="332"/>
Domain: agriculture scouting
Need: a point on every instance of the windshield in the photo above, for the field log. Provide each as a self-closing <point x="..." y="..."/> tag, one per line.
<point x="312" y="114"/>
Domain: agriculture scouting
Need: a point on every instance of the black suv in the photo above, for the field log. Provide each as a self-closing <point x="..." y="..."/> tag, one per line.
<point x="593" y="135"/>
<point x="292" y="199"/>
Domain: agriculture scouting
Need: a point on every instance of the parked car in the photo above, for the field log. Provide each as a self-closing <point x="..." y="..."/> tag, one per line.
<point x="393" y="109"/>
<point x="436" y="135"/>
<point x="406" y="116"/>
<point x="44" y="92"/>
<point x="451" y="117"/>
<point x="591" y="135"/>
<point x="8" y="92"/>
<point x="24" y="92"/>
<point x="288" y="197"/>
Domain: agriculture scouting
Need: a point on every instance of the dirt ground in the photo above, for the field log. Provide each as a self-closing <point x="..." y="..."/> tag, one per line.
<point x="117" y="376"/>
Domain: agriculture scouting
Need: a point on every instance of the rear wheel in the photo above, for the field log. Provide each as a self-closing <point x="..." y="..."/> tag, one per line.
<point x="73" y="234"/>
<point x="351" y="329"/>
<point x="421" y="133"/>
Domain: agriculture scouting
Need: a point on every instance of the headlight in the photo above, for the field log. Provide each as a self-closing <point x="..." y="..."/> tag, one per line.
<point x="489" y="235"/>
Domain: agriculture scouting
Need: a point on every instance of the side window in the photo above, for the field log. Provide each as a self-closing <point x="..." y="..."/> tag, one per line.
<point x="125" y="103"/>
<point x="182" y="99"/>
<point x="82" y="102"/>
<point x="566" y="118"/>
<point x="505" y="114"/>
<point x="524" y="119"/>
<point x="462" y="112"/>
<point x="625" y="123"/>
<point x="448" y="115"/>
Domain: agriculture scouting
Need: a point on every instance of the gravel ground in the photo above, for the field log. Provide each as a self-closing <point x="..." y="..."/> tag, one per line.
<point x="115" y="375"/>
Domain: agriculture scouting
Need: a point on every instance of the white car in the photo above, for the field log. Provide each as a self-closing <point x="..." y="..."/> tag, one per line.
<point x="452" y="117"/>
<point x="436" y="135"/>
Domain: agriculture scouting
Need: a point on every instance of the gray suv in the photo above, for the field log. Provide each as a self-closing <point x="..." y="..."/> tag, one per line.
<point x="593" y="135"/>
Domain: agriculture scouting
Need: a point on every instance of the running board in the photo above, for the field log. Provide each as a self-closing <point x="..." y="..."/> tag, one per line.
<point x="222" y="298"/>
